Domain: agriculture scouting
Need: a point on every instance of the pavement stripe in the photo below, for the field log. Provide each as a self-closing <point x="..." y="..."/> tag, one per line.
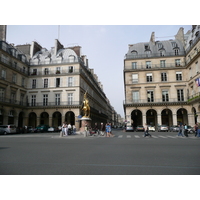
<point x="154" y="136"/>
<point x="137" y="136"/>
<point x="120" y="136"/>
<point x="162" y="136"/>
<point x="128" y="136"/>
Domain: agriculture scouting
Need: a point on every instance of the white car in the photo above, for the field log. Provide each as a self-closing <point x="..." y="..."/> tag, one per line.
<point x="151" y="128"/>
<point x="51" y="129"/>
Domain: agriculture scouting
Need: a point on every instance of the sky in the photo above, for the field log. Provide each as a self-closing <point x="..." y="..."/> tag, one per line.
<point x="104" y="45"/>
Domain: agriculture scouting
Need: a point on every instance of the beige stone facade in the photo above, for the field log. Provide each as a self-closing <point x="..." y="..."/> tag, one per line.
<point x="158" y="84"/>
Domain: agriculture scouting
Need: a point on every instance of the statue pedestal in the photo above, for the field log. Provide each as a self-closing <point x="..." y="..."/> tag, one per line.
<point x="85" y="122"/>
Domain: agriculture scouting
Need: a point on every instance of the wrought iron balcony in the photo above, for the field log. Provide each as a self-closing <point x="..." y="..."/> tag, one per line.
<point x="57" y="104"/>
<point x="12" y="101"/>
<point x="194" y="97"/>
<point x="153" y="66"/>
<point x="54" y="72"/>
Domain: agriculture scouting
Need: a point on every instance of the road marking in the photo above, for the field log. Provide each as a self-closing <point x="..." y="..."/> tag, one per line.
<point x="172" y="136"/>
<point x="120" y="136"/>
<point x="162" y="136"/>
<point x="128" y="136"/>
<point x="154" y="136"/>
<point x="137" y="136"/>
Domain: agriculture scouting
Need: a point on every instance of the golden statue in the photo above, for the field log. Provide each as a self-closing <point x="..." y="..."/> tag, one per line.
<point x="86" y="107"/>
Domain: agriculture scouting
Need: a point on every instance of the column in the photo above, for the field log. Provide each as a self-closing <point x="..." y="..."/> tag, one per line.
<point x="174" y="122"/>
<point x="159" y="120"/>
<point x="191" y="121"/>
<point x="144" y="119"/>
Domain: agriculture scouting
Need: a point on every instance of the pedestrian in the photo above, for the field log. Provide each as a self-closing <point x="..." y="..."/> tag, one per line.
<point x="180" y="130"/>
<point x="69" y="129"/>
<point x="108" y="130"/>
<point x="198" y="130"/>
<point x="146" y="130"/>
<point x="185" y="130"/>
<point x="195" y="129"/>
<point x="74" y="129"/>
<point x="64" y="128"/>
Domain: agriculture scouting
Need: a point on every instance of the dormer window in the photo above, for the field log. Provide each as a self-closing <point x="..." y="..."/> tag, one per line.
<point x="174" y="44"/>
<point x="146" y="47"/>
<point x="160" y="46"/>
<point x="176" y="51"/>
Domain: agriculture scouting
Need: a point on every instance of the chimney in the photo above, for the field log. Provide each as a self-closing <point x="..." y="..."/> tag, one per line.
<point x="180" y="36"/>
<point x="152" y="39"/>
<point x="3" y="29"/>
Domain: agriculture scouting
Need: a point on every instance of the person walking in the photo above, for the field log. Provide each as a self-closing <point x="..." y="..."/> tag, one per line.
<point x="180" y="130"/>
<point x="74" y="129"/>
<point x="64" y="128"/>
<point x="146" y="130"/>
<point x="198" y="130"/>
<point x="108" y="130"/>
<point x="69" y="129"/>
<point x="185" y="130"/>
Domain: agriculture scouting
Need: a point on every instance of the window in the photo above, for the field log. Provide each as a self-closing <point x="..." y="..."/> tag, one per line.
<point x="45" y="83"/>
<point x="15" y="64"/>
<point x="134" y="53"/>
<point x="71" y="69"/>
<point x="146" y="46"/>
<point x="162" y="53"/>
<point x="174" y="44"/>
<point x="148" y="64"/>
<point x="150" y="96"/>
<point x="134" y="65"/>
<point x="57" y="82"/>
<point x="160" y="45"/>
<point x="33" y="100"/>
<point x="21" y="99"/>
<point x="57" y="70"/>
<point x="162" y="63"/>
<point x="70" y="81"/>
<point x="176" y="51"/>
<point x="163" y="76"/>
<point x="57" y="99"/>
<point x="23" y="82"/>
<point x="14" y="78"/>
<point x="180" y="95"/>
<point x="135" y="96"/>
<point x="70" y="98"/>
<point x="34" y="72"/>
<point x="71" y="58"/>
<point x="178" y="62"/>
<point x="165" y="95"/>
<point x="179" y="76"/>
<point x="149" y="77"/>
<point x="45" y="99"/>
<point x="3" y="74"/>
<point x="46" y="71"/>
<point x="34" y="83"/>
<point x="2" y="93"/>
<point x="134" y="78"/>
<point x="12" y="97"/>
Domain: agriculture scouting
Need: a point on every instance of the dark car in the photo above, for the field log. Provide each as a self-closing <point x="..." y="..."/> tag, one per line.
<point x="140" y="128"/>
<point x="42" y="128"/>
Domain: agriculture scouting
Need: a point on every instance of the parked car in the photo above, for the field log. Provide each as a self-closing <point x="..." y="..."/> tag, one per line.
<point x="190" y="129"/>
<point x="163" y="128"/>
<point x="140" y="128"/>
<point x="42" y="128"/>
<point x="8" y="129"/>
<point x="51" y="129"/>
<point x="151" y="128"/>
<point x="2" y="131"/>
<point x="174" y="128"/>
<point x="129" y="128"/>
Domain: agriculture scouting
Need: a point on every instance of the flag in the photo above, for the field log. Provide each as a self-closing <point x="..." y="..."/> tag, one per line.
<point x="197" y="82"/>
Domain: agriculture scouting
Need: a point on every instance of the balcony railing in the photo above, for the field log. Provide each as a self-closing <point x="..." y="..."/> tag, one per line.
<point x="145" y="101"/>
<point x="194" y="97"/>
<point x="154" y="55"/>
<point x="54" y="72"/>
<point x="61" y="103"/>
<point x="12" y="101"/>
<point x="153" y="66"/>
<point x="14" y="66"/>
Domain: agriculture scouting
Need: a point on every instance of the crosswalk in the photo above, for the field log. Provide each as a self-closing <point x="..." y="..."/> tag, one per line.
<point x="157" y="136"/>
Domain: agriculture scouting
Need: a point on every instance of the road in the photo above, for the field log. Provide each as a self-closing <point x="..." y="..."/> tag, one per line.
<point x="125" y="154"/>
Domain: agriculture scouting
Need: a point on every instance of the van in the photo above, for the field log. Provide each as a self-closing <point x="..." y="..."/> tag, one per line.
<point x="8" y="129"/>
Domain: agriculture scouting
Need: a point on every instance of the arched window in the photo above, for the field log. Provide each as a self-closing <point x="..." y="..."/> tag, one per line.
<point x="134" y="53"/>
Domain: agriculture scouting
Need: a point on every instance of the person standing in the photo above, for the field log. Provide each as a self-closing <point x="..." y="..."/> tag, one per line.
<point x="108" y="130"/>
<point x="64" y="128"/>
<point x="74" y="129"/>
<point x="69" y="129"/>
<point x="198" y="130"/>
<point x="185" y="130"/>
<point x="146" y="130"/>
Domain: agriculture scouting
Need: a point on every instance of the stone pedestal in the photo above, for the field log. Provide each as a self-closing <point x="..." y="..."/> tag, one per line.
<point x="85" y="121"/>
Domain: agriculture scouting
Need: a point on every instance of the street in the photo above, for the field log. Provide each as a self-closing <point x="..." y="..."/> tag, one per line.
<point x="128" y="153"/>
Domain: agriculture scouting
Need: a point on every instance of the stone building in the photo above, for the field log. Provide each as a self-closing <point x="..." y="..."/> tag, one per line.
<point x="41" y="86"/>
<point x="159" y="80"/>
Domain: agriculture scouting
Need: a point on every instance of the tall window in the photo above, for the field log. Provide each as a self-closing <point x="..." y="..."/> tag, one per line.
<point x="3" y="74"/>
<point x="134" y="65"/>
<point x="34" y="83"/>
<point x="34" y="72"/>
<point x="134" y="78"/>
<point x="58" y="70"/>
<point x="162" y="63"/>
<point x="179" y="76"/>
<point x="176" y="51"/>
<point x="45" y="83"/>
<point x="164" y="76"/>
<point x="180" y="95"/>
<point x="149" y="77"/>
<point x="23" y="82"/>
<point x="150" y="96"/>
<point x="57" y="82"/>
<point x="148" y="64"/>
<point x="178" y="62"/>
<point x="70" y="81"/>
<point x="33" y="100"/>
<point x="46" y="71"/>
<point x="2" y="93"/>
<point x="135" y="96"/>
<point x="71" y="69"/>
<point x="165" y="95"/>
<point x="45" y="99"/>
<point x="70" y="98"/>
<point x="12" y="97"/>
<point x="21" y="99"/>
<point x="57" y="99"/>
